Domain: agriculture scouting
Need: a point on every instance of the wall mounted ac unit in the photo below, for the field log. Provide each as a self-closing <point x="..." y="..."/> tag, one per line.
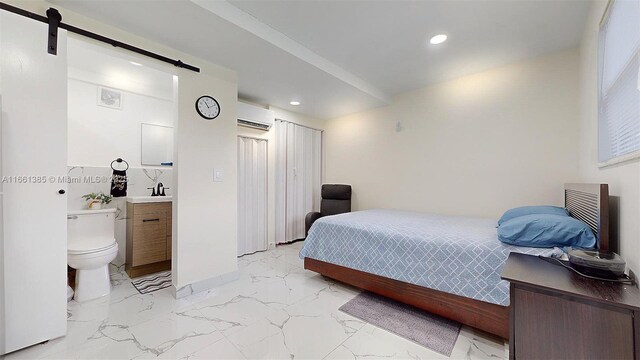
<point x="255" y="117"/>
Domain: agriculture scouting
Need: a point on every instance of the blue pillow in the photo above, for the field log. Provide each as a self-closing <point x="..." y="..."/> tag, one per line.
<point x="530" y="210"/>
<point x="546" y="230"/>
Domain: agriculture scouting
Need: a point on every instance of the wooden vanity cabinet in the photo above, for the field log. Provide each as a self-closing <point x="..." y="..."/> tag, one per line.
<point x="169" y="232"/>
<point x="148" y="238"/>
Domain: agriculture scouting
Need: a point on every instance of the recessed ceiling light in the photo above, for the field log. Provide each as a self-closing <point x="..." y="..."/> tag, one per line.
<point x="295" y="103"/>
<point x="135" y="63"/>
<point x="438" y="39"/>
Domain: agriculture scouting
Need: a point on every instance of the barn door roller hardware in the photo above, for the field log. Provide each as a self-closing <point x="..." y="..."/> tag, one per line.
<point x="54" y="20"/>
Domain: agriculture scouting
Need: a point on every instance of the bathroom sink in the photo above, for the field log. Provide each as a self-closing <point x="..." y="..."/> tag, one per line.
<point x="148" y="199"/>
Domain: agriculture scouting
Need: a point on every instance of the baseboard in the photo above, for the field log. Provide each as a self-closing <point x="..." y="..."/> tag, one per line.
<point x="204" y="285"/>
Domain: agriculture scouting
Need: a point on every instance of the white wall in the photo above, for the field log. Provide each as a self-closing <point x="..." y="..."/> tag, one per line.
<point x="98" y="135"/>
<point x="477" y="145"/>
<point x="271" y="157"/>
<point x="205" y="211"/>
<point x="623" y="179"/>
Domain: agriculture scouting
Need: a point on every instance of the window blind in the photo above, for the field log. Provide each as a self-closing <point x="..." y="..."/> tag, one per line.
<point x="619" y="83"/>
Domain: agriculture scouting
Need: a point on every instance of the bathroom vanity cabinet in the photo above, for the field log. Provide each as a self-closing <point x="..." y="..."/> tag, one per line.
<point x="148" y="238"/>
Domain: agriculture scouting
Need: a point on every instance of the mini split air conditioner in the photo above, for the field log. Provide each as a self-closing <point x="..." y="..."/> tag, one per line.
<point x="255" y="117"/>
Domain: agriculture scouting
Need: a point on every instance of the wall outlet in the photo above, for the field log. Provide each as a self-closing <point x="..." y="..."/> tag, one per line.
<point x="218" y="175"/>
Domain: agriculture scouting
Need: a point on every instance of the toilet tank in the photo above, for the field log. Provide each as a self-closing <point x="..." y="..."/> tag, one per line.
<point x="90" y="229"/>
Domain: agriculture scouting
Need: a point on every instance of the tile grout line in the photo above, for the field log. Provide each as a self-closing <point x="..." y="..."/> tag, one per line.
<point x="342" y="343"/>
<point x="224" y="337"/>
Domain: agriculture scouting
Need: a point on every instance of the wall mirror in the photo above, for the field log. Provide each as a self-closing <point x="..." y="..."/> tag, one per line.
<point x="157" y="145"/>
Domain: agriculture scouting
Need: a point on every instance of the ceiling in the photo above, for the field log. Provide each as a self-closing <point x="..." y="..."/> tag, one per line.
<point x="340" y="57"/>
<point x="109" y="67"/>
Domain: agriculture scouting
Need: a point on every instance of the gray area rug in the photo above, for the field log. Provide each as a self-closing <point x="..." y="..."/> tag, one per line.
<point x="429" y="330"/>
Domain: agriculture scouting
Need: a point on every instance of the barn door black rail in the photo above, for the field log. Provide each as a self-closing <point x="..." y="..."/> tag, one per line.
<point x="54" y="20"/>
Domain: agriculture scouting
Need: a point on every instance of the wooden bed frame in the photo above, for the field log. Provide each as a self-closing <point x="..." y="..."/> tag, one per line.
<point x="586" y="202"/>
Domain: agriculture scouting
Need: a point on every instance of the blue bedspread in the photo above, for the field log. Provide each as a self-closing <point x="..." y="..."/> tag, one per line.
<point x="457" y="255"/>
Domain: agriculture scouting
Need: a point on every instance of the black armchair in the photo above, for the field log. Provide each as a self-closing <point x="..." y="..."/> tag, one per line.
<point x="336" y="199"/>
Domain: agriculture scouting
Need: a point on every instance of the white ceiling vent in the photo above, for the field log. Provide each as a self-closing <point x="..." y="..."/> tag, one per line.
<point x="255" y="117"/>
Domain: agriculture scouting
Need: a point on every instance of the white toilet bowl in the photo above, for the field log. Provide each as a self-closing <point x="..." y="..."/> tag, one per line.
<point x="91" y="246"/>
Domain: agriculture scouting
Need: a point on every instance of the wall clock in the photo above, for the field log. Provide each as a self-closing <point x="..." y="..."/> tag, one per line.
<point x="207" y="107"/>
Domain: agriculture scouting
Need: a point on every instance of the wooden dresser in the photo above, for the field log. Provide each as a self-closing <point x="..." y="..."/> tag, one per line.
<point x="557" y="314"/>
<point x="148" y="238"/>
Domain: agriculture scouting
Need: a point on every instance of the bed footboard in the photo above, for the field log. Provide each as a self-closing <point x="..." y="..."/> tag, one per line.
<point x="485" y="316"/>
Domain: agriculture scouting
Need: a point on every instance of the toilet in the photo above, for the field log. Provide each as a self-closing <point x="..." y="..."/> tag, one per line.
<point x="91" y="246"/>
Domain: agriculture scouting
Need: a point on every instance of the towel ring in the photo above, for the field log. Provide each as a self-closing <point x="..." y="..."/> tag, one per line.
<point x="120" y="160"/>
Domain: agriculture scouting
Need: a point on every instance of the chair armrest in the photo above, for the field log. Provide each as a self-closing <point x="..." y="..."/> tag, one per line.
<point x="309" y="220"/>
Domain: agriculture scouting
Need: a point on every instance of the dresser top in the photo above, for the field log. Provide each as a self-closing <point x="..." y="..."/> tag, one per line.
<point x="535" y="272"/>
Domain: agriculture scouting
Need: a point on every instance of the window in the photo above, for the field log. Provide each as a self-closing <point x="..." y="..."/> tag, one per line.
<point x="619" y="83"/>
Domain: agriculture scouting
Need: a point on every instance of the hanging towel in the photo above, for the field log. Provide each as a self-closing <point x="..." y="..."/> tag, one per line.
<point x="119" y="179"/>
<point x="119" y="183"/>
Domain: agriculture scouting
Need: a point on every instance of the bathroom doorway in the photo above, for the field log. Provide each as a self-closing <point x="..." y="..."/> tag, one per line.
<point x="122" y="111"/>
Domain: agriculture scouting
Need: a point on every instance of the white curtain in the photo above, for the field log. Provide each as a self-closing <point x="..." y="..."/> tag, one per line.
<point x="252" y="195"/>
<point x="280" y="128"/>
<point x="298" y="178"/>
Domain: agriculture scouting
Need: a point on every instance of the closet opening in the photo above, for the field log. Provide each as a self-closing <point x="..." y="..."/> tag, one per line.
<point x="298" y="177"/>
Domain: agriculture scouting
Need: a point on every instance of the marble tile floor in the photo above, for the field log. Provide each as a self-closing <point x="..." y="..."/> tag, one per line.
<point x="275" y="310"/>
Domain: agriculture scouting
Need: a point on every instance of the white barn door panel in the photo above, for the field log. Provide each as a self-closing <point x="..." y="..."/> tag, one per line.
<point x="33" y="237"/>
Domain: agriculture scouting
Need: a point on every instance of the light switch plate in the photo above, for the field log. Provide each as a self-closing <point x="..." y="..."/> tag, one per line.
<point x="218" y="175"/>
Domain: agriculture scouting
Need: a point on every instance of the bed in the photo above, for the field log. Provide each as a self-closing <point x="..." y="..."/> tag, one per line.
<point x="446" y="265"/>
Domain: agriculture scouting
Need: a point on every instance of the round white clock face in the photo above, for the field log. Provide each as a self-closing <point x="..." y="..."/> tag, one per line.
<point x="207" y="107"/>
